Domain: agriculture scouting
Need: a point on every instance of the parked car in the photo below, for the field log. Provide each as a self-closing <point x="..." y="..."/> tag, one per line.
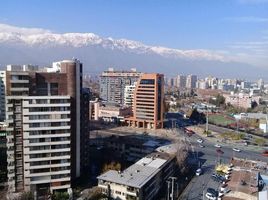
<point x="218" y="178"/>
<point x="210" y="196"/>
<point x="198" y="172"/>
<point x="265" y="153"/>
<point x="236" y="149"/>
<point x="200" y="141"/>
<point x="217" y="145"/>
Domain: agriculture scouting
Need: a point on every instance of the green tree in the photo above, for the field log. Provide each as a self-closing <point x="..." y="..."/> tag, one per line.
<point x="60" y="196"/>
<point x="260" y="141"/>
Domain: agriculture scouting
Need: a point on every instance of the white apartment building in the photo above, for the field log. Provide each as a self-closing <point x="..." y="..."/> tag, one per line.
<point x="141" y="181"/>
<point x="181" y="81"/>
<point x="191" y="81"/>
<point x="129" y="94"/>
<point x="38" y="143"/>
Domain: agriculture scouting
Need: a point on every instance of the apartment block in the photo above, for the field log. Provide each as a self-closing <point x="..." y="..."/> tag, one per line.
<point x="38" y="143"/>
<point x="148" y="107"/>
<point x="2" y="96"/>
<point x="113" y="83"/>
<point x="129" y="95"/>
<point x="45" y="126"/>
<point x="191" y="81"/>
<point x="181" y="81"/>
<point x="141" y="181"/>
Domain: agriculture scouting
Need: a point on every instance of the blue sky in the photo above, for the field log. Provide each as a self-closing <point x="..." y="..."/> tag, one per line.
<point x="234" y="26"/>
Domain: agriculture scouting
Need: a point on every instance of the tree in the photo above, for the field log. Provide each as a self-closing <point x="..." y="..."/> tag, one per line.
<point x="195" y="115"/>
<point x="112" y="166"/>
<point x="95" y="194"/>
<point x="26" y="196"/>
<point x="260" y="141"/>
<point x="220" y="100"/>
<point x="60" y="196"/>
<point x="182" y="154"/>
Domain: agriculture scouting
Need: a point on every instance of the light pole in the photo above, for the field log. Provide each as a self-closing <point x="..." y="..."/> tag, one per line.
<point x="168" y="182"/>
<point x="207" y="120"/>
<point x="172" y="187"/>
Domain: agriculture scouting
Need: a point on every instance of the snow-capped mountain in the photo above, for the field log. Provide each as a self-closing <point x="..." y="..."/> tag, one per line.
<point x="40" y="46"/>
<point x="44" y="38"/>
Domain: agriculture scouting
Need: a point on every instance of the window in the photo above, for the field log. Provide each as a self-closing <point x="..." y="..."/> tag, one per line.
<point x="147" y="81"/>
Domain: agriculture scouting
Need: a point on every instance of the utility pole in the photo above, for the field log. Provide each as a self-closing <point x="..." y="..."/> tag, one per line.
<point x="172" y="187"/>
<point x="168" y="182"/>
<point x="207" y="120"/>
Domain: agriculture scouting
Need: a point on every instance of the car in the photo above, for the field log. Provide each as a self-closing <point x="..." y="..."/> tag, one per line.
<point x="201" y="146"/>
<point x="217" y="145"/>
<point x="218" y="178"/>
<point x="200" y="141"/>
<point x="212" y="192"/>
<point x="265" y="153"/>
<point x="198" y="172"/>
<point x="236" y="149"/>
<point x="219" y="151"/>
<point x="215" y="177"/>
<point x="210" y="196"/>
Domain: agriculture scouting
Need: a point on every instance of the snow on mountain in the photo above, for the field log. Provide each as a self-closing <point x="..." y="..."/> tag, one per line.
<point x="45" y="38"/>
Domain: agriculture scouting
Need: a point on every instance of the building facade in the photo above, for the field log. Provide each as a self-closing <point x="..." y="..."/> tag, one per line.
<point x="181" y="81"/>
<point x="191" y="81"/>
<point x="2" y="96"/>
<point x="113" y="83"/>
<point x="44" y="130"/>
<point x="129" y="95"/>
<point x="142" y="180"/>
<point x="148" y="107"/>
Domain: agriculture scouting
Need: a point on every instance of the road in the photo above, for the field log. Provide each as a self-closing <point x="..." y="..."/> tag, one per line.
<point x="208" y="157"/>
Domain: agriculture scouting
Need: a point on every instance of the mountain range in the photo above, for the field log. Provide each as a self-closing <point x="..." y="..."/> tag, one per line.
<point x="40" y="46"/>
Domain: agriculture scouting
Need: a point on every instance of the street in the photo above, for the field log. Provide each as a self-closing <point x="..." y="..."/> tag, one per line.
<point x="208" y="157"/>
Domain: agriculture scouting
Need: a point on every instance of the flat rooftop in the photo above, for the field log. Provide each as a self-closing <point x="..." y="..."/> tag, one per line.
<point x="137" y="174"/>
<point x="243" y="183"/>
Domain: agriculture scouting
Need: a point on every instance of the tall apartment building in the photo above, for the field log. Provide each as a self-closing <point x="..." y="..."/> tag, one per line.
<point x="129" y="94"/>
<point x="2" y="96"/>
<point x="181" y="81"/>
<point x="191" y="81"/>
<point x="148" y="102"/>
<point x="113" y="83"/>
<point x="44" y="132"/>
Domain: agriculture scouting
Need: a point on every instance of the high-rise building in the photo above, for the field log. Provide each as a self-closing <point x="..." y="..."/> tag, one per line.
<point x="170" y="82"/>
<point x="112" y="84"/>
<point x="129" y="94"/>
<point x="181" y="81"/>
<point x="260" y="83"/>
<point x="2" y="96"/>
<point x="148" y="102"/>
<point x="45" y="131"/>
<point x="191" y="81"/>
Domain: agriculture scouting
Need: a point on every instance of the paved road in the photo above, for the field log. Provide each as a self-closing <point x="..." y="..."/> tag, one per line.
<point x="209" y="157"/>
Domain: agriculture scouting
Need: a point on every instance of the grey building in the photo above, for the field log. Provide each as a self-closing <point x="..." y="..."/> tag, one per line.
<point x="112" y="84"/>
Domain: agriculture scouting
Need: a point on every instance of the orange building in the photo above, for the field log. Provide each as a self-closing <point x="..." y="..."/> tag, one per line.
<point x="148" y="104"/>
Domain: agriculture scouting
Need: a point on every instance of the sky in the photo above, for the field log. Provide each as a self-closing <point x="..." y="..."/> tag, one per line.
<point x="234" y="27"/>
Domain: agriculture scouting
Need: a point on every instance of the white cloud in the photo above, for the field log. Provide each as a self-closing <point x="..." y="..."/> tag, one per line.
<point x="5" y="28"/>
